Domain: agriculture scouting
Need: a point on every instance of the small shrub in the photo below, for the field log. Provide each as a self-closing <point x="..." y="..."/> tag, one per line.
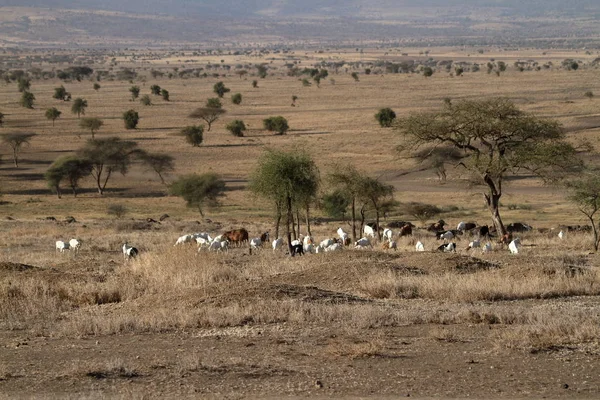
<point x="145" y="100"/>
<point x="278" y="124"/>
<point x="116" y="210"/>
<point x="236" y="128"/>
<point x="236" y="98"/>
<point x="131" y="119"/>
<point x="385" y="117"/>
<point x="165" y="94"/>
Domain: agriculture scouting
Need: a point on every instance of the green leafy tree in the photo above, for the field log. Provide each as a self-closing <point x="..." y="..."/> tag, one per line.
<point x="421" y="211"/>
<point x="135" y="92"/>
<point x="236" y="127"/>
<point x="385" y="117"/>
<point x="335" y="204"/>
<point x="27" y="99"/>
<point x="278" y="124"/>
<point x="209" y="114"/>
<point x="236" y="98"/>
<point x="199" y="191"/>
<point x="52" y="114"/>
<point x="145" y="100"/>
<point x="165" y="94"/>
<point x="107" y="157"/>
<point x="70" y="169"/>
<point x="160" y="163"/>
<point x="24" y="84"/>
<point x="60" y="93"/>
<point x="92" y="123"/>
<point x="220" y="89"/>
<point x="290" y="180"/>
<point x="255" y="84"/>
<point x="437" y="157"/>
<point x="585" y="193"/>
<point x="497" y="140"/>
<point x="16" y="141"/>
<point x="131" y="119"/>
<point x="427" y="72"/>
<point x="155" y="90"/>
<point x="193" y="134"/>
<point x="79" y="106"/>
<point x="374" y="195"/>
<point x="354" y="76"/>
<point x="262" y="71"/>
<point x="96" y="86"/>
<point x="1" y="119"/>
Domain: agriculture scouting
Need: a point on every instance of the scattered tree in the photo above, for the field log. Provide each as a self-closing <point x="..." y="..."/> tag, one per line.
<point x="427" y="72"/>
<point x="159" y="163"/>
<point x="131" y="119"/>
<point x="289" y="180"/>
<point x="69" y="168"/>
<point x="496" y="139"/>
<point x="24" y="84"/>
<point x="278" y="124"/>
<point x="385" y="117"/>
<point x="15" y="141"/>
<point x="210" y="113"/>
<point x="236" y="98"/>
<point x="145" y="100"/>
<point x="294" y="98"/>
<point x="165" y="94"/>
<point x="220" y="89"/>
<point x="27" y="99"/>
<point x="335" y="204"/>
<point x="79" y="106"/>
<point x="108" y="156"/>
<point x="96" y="86"/>
<point x="92" y="123"/>
<point x="199" y="191"/>
<point x="421" y="211"/>
<point x="236" y="127"/>
<point x="375" y="195"/>
<point x="585" y="193"/>
<point x="255" y="84"/>
<point x="193" y="134"/>
<point x="117" y="210"/>
<point x="155" y="90"/>
<point x="354" y="75"/>
<point x="52" y="114"/>
<point x="262" y="71"/>
<point x="60" y="93"/>
<point x="135" y="92"/>
<point x="589" y="94"/>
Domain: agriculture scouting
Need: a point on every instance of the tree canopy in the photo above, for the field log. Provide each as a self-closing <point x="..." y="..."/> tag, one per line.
<point x="15" y="141"/>
<point x="496" y="139"/>
<point x="585" y="193"/>
<point x="210" y="113"/>
<point x="92" y="123"/>
<point x="79" y="106"/>
<point x="69" y="168"/>
<point x="199" y="191"/>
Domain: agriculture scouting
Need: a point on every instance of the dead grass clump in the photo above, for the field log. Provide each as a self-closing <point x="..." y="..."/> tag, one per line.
<point x="130" y="226"/>
<point x="356" y="348"/>
<point x="551" y="334"/>
<point x="443" y="334"/>
<point x="567" y="265"/>
<point x="388" y="285"/>
<point x="113" y="369"/>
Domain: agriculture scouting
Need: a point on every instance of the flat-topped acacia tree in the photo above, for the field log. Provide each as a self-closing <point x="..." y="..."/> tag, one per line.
<point x="496" y="140"/>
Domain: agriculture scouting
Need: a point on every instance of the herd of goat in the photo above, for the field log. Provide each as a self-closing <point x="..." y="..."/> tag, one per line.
<point x="306" y="244"/>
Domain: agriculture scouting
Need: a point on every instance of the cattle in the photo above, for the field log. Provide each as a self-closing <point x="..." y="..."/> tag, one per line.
<point x="437" y="227"/>
<point x="406" y="230"/>
<point x="237" y="236"/>
<point x="518" y="227"/>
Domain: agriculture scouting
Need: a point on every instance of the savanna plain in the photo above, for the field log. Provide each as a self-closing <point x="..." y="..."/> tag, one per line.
<point x="177" y="323"/>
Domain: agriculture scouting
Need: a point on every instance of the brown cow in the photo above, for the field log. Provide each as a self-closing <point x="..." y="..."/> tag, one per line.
<point x="238" y="236"/>
<point x="406" y="230"/>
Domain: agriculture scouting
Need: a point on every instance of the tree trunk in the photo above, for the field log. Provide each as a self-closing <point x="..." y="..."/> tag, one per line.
<point x="594" y="230"/>
<point x="289" y="221"/>
<point x="493" y="203"/>
<point x="15" y="158"/>
<point x="353" y="220"/>
<point x="362" y="219"/>
<point x="308" y="219"/>
<point x="298" y="222"/>
<point x="277" y="222"/>
<point x="377" y="224"/>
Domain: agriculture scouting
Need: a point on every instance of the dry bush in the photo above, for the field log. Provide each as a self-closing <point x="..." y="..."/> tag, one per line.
<point x="356" y="348"/>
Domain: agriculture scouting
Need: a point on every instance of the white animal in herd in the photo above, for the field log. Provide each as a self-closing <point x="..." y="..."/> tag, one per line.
<point x="362" y="243"/>
<point x="75" y="244"/>
<point x="343" y="235"/>
<point x="277" y="244"/>
<point x="61" y="246"/>
<point x="184" y="239"/>
<point x="334" y="247"/>
<point x="129" y="251"/>
<point x="514" y="246"/>
<point x="487" y="248"/>
<point x="388" y="234"/>
<point x="419" y="246"/>
<point x="475" y="244"/>
<point x="326" y="243"/>
<point x="446" y="236"/>
<point x="561" y="235"/>
<point x="219" y="245"/>
<point x="368" y="231"/>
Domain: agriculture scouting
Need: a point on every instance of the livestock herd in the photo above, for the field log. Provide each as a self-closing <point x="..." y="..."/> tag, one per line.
<point x="480" y="238"/>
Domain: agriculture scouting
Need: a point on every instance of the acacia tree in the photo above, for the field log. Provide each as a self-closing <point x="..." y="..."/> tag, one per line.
<point x="290" y="180"/>
<point x="159" y="163"/>
<point x="497" y="140"/>
<point x="277" y="124"/>
<point x="220" y="89"/>
<point x="27" y="99"/>
<point x="15" y="141"/>
<point x="199" y="190"/>
<point x="79" y="106"/>
<point x="436" y="158"/>
<point x="210" y="113"/>
<point x="385" y="117"/>
<point x="93" y="124"/>
<point x="193" y="134"/>
<point x="373" y="194"/>
<point x="69" y="168"/>
<point x="585" y="193"/>
<point x="108" y="156"/>
<point x="53" y="113"/>
<point x="346" y="179"/>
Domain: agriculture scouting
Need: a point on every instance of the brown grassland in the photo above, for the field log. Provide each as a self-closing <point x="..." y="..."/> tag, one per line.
<point x="177" y="323"/>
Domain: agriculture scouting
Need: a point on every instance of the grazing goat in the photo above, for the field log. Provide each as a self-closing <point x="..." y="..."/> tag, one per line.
<point x="334" y="247"/>
<point x="368" y="231"/>
<point x="388" y="234"/>
<point x="406" y="230"/>
<point x="475" y="244"/>
<point x="75" y="244"/>
<point x="343" y="235"/>
<point x="514" y="246"/>
<point x="419" y="246"/>
<point x="296" y="250"/>
<point x="362" y="243"/>
<point x="184" y="239"/>
<point x="518" y="227"/>
<point x="487" y="248"/>
<point x="277" y="244"/>
<point x="437" y="227"/>
<point x="237" y="236"/>
<point x="129" y="251"/>
<point x="61" y="246"/>
<point x="447" y="248"/>
<point x="446" y="236"/>
<point x="561" y="235"/>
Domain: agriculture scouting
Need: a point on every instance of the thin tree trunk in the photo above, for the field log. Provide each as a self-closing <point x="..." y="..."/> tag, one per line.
<point x="377" y="224"/>
<point x="308" y="219"/>
<point x="298" y="222"/>
<point x="362" y="219"/>
<point x="353" y="220"/>
<point x="493" y="202"/>
<point x="277" y="219"/>
<point x="288" y="222"/>
<point x="16" y="158"/>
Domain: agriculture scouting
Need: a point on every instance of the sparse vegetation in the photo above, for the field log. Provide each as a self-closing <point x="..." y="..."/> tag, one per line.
<point x="131" y="119"/>
<point x="16" y="141"/>
<point x="27" y="100"/>
<point x="236" y="127"/>
<point x="92" y="123"/>
<point x="277" y="124"/>
<point x="385" y="117"/>
<point x="135" y="92"/>
<point x="236" y="98"/>
<point x="210" y="113"/>
<point x="52" y="114"/>
<point x="79" y="106"/>
<point x="193" y="134"/>
<point x="199" y="191"/>
<point x="220" y="89"/>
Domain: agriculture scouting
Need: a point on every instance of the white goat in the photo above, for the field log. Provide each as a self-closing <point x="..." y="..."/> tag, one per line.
<point x="75" y="244"/>
<point x="368" y="231"/>
<point x="334" y="247"/>
<point x="255" y="243"/>
<point x="388" y="234"/>
<point x="61" y="246"/>
<point x="487" y="248"/>
<point x="129" y="251"/>
<point x="362" y="243"/>
<point x="514" y="246"/>
<point x="446" y="236"/>
<point x="184" y="239"/>
<point x="277" y="244"/>
<point x="326" y="243"/>
<point x="419" y="246"/>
